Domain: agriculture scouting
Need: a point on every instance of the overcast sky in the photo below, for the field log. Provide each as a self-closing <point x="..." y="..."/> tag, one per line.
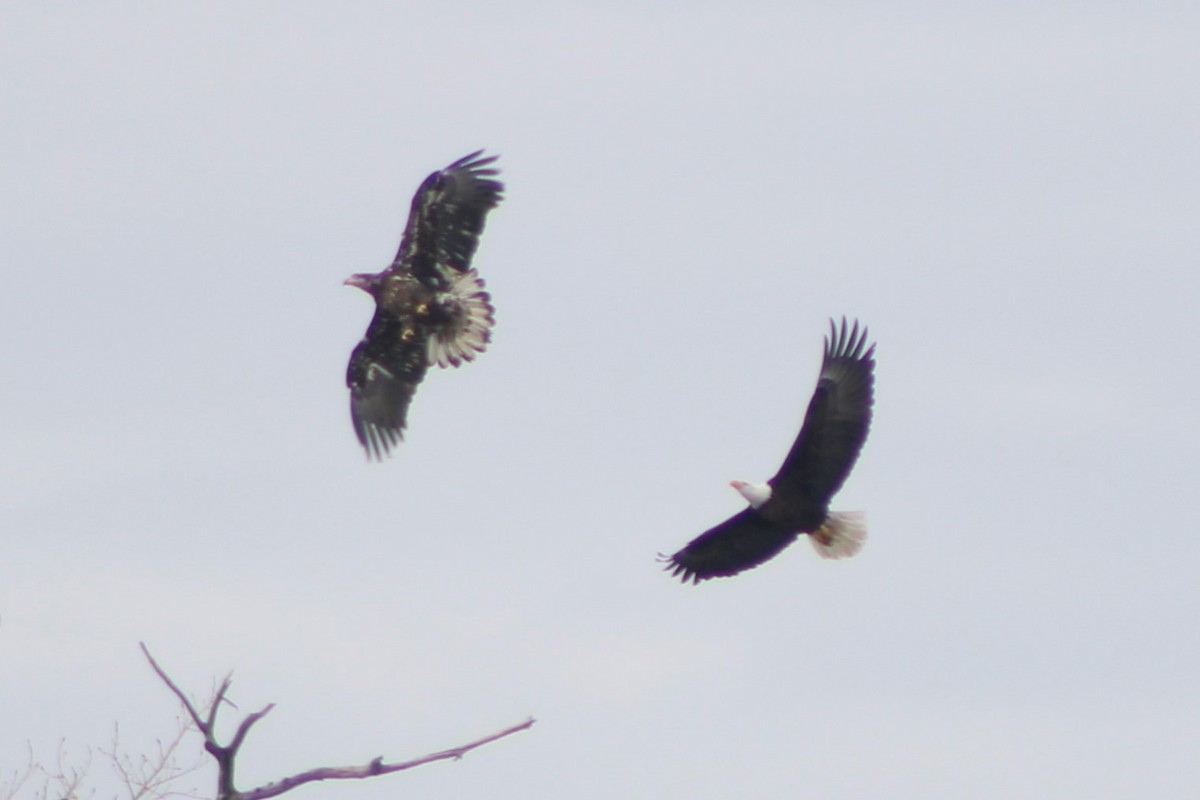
<point x="1005" y="193"/>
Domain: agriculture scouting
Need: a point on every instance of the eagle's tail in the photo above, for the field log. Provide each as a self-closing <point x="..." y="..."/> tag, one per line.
<point x="470" y="329"/>
<point x="841" y="535"/>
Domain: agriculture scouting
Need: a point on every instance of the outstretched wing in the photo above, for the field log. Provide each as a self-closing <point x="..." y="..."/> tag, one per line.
<point x="837" y="421"/>
<point x="743" y="541"/>
<point x="385" y="369"/>
<point x="448" y="214"/>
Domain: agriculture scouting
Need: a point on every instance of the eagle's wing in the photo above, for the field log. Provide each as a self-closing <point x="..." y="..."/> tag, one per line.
<point x="385" y="369"/>
<point x="837" y="421"/>
<point x="448" y="214"/>
<point x="743" y="541"/>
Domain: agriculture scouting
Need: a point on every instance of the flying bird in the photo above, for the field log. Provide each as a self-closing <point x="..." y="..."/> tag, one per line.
<point x="796" y="500"/>
<point x="430" y="304"/>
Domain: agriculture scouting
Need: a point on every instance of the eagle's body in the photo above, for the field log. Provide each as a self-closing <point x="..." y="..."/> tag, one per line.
<point x="430" y="305"/>
<point x="796" y="500"/>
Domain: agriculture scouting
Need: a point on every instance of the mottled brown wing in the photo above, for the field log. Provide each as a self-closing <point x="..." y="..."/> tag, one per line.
<point x="447" y="216"/>
<point x="743" y="541"/>
<point x="385" y="369"/>
<point x="836" y="423"/>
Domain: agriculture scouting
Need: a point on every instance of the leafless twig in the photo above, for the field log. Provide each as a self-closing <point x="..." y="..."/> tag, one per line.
<point x="65" y="781"/>
<point x="20" y="776"/>
<point x="153" y="776"/>
<point x="145" y="777"/>
<point x="226" y="754"/>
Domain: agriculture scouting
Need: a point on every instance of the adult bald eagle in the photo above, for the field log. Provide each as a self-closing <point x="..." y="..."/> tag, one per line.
<point x="430" y="305"/>
<point x="796" y="500"/>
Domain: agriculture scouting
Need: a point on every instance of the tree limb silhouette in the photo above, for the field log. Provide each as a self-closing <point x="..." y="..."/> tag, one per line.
<point x="225" y="755"/>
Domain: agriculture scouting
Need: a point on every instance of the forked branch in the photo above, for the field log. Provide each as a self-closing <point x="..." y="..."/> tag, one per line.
<point x="226" y="754"/>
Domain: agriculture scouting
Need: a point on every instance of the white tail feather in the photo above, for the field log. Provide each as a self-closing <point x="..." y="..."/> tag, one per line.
<point x="841" y="536"/>
<point x="472" y="328"/>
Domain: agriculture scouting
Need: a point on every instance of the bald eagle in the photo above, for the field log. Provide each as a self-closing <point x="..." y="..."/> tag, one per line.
<point x="430" y="305"/>
<point x="796" y="500"/>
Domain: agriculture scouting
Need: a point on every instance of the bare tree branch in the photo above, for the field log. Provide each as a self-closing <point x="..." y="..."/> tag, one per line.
<point x="65" y="781"/>
<point x="144" y="777"/>
<point x="219" y="698"/>
<point x="187" y="704"/>
<point x="10" y="786"/>
<point x="68" y="777"/>
<point x="244" y="728"/>
<point x="376" y="767"/>
<point x="225" y="755"/>
<point x="154" y="776"/>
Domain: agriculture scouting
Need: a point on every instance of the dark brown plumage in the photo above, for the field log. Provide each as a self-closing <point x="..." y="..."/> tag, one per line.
<point x="796" y="499"/>
<point x="430" y="305"/>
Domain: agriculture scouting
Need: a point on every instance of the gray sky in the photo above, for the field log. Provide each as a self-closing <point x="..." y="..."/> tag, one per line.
<point x="1005" y="193"/>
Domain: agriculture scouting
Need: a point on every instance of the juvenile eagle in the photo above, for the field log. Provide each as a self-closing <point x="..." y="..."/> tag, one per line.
<point x="796" y="500"/>
<point x="430" y="305"/>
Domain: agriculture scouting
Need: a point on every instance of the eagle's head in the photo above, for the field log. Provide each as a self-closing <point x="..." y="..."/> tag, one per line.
<point x="755" y="493"/>
<point x="367" y="281"/>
